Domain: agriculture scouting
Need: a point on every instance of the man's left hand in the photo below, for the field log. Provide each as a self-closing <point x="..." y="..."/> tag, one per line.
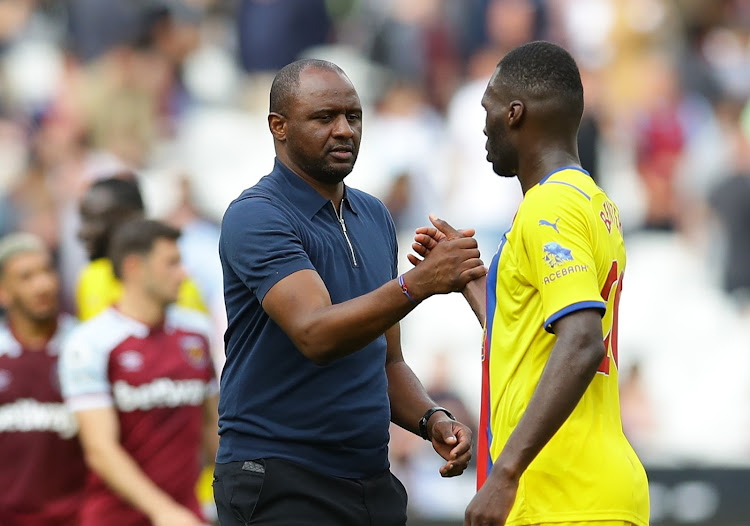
<point x="452" y="441"/>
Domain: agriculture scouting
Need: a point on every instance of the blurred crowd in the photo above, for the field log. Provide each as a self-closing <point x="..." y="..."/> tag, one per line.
<point x="176" y="92"/>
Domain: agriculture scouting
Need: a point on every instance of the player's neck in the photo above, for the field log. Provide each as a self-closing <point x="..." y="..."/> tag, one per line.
<point x="537" y="163"/>
<point x="141" y="307"/>
<point x="32" y="334"/>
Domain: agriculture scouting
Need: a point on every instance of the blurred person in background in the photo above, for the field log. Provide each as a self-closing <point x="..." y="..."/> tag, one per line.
<point x="106" y="205"/>
<point x="304" y="24"/>
<point x="140" y="381"/>
<point x="42" y="469"/>
<point x="550" y="394"/>
<point x="730" y="202"/>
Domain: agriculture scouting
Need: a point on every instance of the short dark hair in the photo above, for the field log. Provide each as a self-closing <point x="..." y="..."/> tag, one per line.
<point x="137" y="237"/>
<point x="125" y="192"/>
<point x="544" y="69"/>
<point x="286" y="81"/>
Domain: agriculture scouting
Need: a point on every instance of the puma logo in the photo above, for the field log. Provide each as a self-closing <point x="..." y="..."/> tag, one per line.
<point x="544" y="222"/>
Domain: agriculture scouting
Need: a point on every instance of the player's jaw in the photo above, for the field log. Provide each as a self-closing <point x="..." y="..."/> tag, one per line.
<point x="39" y="308"/>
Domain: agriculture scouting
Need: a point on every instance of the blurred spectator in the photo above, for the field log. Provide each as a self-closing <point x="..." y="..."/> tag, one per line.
<point x="730" y="200"/>
<point x="105" y="207"/>
<point x="273" y="33"/>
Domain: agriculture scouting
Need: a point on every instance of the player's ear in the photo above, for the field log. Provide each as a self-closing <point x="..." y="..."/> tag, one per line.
<point x="516" y="112"/>
<point x="130" y="265"/>
<point x="277" y="125"/>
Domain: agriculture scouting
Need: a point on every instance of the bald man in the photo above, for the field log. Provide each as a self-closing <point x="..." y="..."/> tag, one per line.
<point x="314" y="369"/>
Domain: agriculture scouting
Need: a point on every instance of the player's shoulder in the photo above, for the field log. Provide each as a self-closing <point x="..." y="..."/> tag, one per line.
<point x="66" y="324"/>
<point x="565" y="190"/>
<point x="254" y="205"/>
<point x="188" y="320"/>
<point x="104" y="332"/>
<point x="9" y="346"/>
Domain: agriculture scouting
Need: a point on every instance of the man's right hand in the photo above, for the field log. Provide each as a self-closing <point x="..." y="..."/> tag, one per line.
<point x="451" y="260"/>
<point x="175" y="515"/>
<point x="426" y="238"/>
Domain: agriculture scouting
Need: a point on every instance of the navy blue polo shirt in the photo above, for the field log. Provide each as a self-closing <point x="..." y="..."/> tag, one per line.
<point x="276" y="403"/>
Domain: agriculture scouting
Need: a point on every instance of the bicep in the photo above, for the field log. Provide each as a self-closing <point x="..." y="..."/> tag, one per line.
<point x="580" y="329"/>
<point x="98" y="428"/>
<point x="292" y="300"/>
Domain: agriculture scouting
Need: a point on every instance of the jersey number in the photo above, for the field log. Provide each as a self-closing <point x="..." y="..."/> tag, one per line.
<point x="612" y="285"/>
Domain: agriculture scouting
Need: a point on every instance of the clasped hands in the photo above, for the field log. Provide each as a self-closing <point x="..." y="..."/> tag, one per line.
<point x="446" y="259"/>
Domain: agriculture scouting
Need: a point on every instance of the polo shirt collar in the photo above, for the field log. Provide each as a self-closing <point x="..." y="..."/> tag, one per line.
<point x="304" y="196"/>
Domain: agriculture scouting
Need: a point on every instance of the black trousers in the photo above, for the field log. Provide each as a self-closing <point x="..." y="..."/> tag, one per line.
<point x="278" y="492"/>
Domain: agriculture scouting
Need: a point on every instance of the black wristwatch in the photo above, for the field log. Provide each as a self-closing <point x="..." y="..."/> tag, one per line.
<point x="426" y="417"/>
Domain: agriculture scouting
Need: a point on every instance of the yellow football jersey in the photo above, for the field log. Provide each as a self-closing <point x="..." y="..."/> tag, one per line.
<point x="564" y="252"/>
<point x="98" y="289"/>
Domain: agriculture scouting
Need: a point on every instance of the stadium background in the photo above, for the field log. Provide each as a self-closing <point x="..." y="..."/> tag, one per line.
<point x="176" y="90"/>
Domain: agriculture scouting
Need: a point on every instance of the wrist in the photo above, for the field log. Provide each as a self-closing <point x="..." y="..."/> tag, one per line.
<point x="157" y="505"/>
<point x="505" y="469"/>
<point x="431" y="417"/>
<point x="409" y="288"/>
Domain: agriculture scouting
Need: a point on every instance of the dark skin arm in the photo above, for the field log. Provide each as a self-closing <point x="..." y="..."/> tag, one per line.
<point x="572" y="365"/>
<point x="409" y="401"/>
<point x="427" y="238"/>
<point x="323" y="332"/>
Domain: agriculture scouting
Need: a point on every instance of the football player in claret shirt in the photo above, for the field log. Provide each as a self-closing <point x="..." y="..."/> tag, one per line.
<point x="551" y="449"/>
<point x="140" y="382"/>
<point x="42" y="472"/>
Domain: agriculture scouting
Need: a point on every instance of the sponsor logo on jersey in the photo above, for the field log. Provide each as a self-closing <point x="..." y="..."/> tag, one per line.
<point x="5" y="378"/>
<point x="27" y="414"/>
<point x="564" y="271"/>
<point x="194" y="352"/>
<point x="544" y="222"/>
<point x="556" y="255"/>
<point x="162" y="392"/>
<point x="130" y="360"/>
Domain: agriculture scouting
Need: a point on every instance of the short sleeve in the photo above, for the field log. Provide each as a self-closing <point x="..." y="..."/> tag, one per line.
<point x="83" y="374"/>
<point x="260" y="245"/>
<point x="558" y="243"/>
<point x="394" y="242"/>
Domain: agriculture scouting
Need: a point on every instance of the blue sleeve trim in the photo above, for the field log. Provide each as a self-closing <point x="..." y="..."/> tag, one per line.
<point x="587" y="196"/>
<point x="572" y="308"/>
<point x="571" y="167"/>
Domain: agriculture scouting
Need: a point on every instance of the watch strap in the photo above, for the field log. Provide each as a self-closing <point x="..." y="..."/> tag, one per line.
<point x="423" y="421"/>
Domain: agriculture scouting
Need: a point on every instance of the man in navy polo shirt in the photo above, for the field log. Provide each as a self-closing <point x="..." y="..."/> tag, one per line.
<point x="314" y="369"/>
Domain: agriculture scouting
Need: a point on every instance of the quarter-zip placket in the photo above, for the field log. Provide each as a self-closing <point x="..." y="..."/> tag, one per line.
<point x="340" y="217"/>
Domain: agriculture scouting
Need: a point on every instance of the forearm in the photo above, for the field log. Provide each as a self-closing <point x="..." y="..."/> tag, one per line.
<point x="335" y="331"/>
<point x="409" y="400"/>
<point x="565" y="379"/>
<point x="211" y="429"/>
<point x="124" y="477"/>
<point x="475" y="293"/>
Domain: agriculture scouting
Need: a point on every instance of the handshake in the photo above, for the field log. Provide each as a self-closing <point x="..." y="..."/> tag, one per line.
<point x="446" y="260"/>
